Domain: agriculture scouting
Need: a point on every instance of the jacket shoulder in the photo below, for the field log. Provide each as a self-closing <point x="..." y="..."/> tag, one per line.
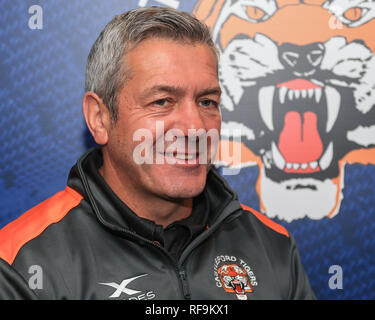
<point x="267" y="221"/>
<point x="34" y="221"/>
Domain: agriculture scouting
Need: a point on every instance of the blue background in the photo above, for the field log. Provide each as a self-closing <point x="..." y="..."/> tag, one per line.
<point x="43" y="133"/>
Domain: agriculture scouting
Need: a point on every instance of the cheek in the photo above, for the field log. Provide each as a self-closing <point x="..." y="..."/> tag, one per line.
<point x="120" y="142"/>
<point x="213" y="124"/>
<point x="214" y="127"/>
<point x="140" y="143"/>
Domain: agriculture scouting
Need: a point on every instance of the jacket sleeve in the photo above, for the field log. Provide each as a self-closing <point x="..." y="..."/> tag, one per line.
<point x="300" y="288"/>
<point x="12" y="285"/>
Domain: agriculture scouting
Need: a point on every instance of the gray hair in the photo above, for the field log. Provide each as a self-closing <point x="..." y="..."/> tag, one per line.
<point x="105" y="70"/>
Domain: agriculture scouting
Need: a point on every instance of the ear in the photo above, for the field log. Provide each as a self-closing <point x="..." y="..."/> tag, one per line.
<point x="97" y="117"/>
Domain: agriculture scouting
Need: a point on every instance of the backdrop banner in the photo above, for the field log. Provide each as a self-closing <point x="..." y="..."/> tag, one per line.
<point x="298" y="109"/>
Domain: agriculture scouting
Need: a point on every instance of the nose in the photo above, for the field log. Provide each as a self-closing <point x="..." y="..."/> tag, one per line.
<point x="188" y="116"/>
<point x="301" y="60"/>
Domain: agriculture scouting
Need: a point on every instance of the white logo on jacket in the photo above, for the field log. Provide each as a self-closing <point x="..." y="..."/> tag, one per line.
<point x="122" y="287"/>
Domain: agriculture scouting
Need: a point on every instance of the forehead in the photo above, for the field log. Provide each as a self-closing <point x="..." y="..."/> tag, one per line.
<point x="163" y="58"/>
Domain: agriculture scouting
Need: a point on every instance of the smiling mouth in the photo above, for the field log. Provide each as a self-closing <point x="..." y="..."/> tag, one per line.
<point x="185" y="159"/>
<point x="308" y="109"/>
<point x="181" y="156"/>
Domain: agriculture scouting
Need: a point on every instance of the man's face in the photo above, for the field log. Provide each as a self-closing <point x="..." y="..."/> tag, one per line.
<point x="172" y="91"/>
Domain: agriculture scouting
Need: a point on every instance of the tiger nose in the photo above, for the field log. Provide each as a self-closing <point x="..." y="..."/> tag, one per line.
<point x="301" y="60"/>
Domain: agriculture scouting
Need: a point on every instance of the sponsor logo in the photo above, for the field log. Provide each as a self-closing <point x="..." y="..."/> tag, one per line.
<point x="234" y="276"/>
<point x="123" y="288"/>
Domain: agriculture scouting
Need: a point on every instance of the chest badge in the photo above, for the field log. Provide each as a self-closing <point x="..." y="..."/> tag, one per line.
<point x="234" y="275"/>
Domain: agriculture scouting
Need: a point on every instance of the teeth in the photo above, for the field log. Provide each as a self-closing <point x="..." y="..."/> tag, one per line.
<point x="280" y="162"/>
<point x="282" y="93"/>
<point x="327" y="157"/>
<point x="333" y="106"/>
<point x="310" y="92"/>
<point x="297" y="94"/>
<point x="302" y="166"/>
<point x="277" y="157"/>
<point x="318" y="94"/>
<point x="313" y="164"/>
<point x="265" y="99"/>
<point x="290" y="94"/>
<point x="181" y="156"/>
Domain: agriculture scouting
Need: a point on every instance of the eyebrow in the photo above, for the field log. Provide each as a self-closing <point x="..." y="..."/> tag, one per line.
<point x="162" y="88"/>
<point x="209" y="91"/>
<point x="178" y="91"/>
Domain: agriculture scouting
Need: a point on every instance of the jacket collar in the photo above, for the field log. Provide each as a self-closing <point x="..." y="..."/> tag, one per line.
<point x="116" y="215"/>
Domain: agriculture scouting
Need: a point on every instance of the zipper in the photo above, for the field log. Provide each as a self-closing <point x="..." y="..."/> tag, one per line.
<point x="185" y="284"/>
<point x="180" y="272"/>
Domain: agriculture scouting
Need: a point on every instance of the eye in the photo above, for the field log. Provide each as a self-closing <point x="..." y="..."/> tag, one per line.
<point x="254" y="10"/>
<point x="255" y="13"/>
<point x="354" y="14"/>
<point x="208" y="103"/>
<point x="160" y="102"/>
<point x="351" y="15"/>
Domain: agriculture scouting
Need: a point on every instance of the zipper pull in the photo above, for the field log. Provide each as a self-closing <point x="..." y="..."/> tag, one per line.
<point x="185" y="285"/>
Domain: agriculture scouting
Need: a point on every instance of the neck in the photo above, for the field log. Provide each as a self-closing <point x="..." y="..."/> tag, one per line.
<point x="160" y="210"/>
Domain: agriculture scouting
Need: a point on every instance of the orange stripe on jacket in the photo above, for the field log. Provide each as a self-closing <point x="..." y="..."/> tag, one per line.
<point x="267" y="221"/>
<point x="34" y="221"/>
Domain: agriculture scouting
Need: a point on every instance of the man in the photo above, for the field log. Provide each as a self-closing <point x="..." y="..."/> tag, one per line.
<point x="145" y="216"/>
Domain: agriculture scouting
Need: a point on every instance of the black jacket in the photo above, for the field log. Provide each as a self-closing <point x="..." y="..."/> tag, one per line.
<point x="80" y="244"/>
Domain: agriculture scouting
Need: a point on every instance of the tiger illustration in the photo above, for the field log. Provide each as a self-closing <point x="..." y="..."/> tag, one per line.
<point x="298" y="79"/>
<point x="234" y="279"/>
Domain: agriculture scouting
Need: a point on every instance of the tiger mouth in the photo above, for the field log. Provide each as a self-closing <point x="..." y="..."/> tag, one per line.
<point x="238" y="286"/>
<point x="309" y="110"/>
